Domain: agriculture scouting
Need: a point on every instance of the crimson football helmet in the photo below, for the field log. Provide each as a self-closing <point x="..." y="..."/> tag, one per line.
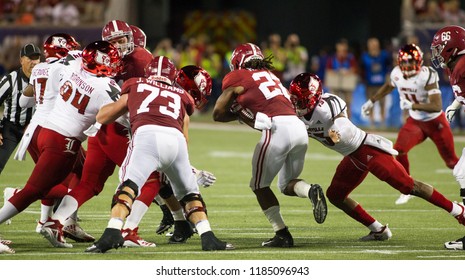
<point x="410" y="60"/>
<point x="305" y="90"/>
<point x="244" y="53"/>
<point x="58" y="45"/>
<point x="197" y="82"/>
<point x="161" y="69"/>
<point x="140" y="39"/>
<point x="448" y="43"/>
<point x="113" y="32"/>
<point x="101" y="58"/>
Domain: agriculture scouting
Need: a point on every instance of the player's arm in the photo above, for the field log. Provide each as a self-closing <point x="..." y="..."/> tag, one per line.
<point x="384" y="90"/>
<point x="185" y="127"/>
<point x="27" y="99"/>
<point x="221" y="112"/>
<point x="434" y="99"/>
<point x="111" y="111"/>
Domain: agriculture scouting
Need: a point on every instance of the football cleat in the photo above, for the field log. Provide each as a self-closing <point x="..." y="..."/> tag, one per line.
<point x="52" y="230"/>
<point x="382" y="235"/>
<point x="7" y="194"/>
<point x="282" y="239"/>
<point x="74" y="231"/>
<point x="167" y="221"/>
<point x="39" y="227"/>
<point x="110" y="239"/>
<point x="182" y="231"/>
<point x="455" y="245"/>
<point x="5" y="249"/>
<point x="318" y="200"/>
<point x="211" y="243"/>
<point x="403" y="198"/>
<point x="132" y="239"/>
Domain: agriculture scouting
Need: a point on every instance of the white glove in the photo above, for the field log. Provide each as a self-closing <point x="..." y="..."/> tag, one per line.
<point x="452" y="109"/>
<point x="93" y="129"/>
<point x="204" y="178"/>
<point x="366" y="107"/>
<point x="405" y="104"/>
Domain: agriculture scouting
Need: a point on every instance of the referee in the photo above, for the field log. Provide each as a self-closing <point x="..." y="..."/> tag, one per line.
<point x="15" y="119"/>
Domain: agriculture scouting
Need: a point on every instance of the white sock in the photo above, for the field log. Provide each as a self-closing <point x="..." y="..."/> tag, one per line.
<point x="137" y="212"/>
<point x="159" y="200"/>
<point x="116" y="223"/>
<point x="8" y="211"/>
<point x="301" y="188"/>
<point x="178" y="215"/>
<point x="375" y="226"/>
<point x="456" y="209"/>
<point x="273" y="215"/>
<point x="203" y="226"/>
<point x="68" y="206"/>
<point x="45" y="212"/>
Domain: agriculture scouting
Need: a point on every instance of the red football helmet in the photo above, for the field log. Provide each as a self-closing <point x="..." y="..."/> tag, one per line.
<point x="58" y="45"/>
<point x="410" y="60"/>
<point x="140" y="39"/>
<point x="101" y="58"/>
<point x="197" y="82"/>
<point x="113" y="32"/>
<point x="448" y="43"/>
<point x="161" y="69"/>
<point x="306" y="90"/>
<point x="244" y="53"/>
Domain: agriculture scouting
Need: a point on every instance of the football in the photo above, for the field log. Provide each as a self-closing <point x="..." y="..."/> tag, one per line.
<point x="244" y="115"/>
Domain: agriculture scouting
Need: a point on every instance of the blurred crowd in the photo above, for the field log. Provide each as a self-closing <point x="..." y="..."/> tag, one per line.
<point x="353" y="70"/>
<point x="56" y="12"/>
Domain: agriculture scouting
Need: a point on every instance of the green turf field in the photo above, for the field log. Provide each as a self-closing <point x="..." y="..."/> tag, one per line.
<point x="419" y="229"/>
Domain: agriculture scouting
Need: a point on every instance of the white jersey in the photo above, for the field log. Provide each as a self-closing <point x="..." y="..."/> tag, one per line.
<point x="82" y="94"/>
<point x="413" y="89"/>
<point x="322" y="120"/>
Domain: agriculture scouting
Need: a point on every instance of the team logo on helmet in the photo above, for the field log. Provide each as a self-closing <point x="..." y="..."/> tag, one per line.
<point x="102" y="58"/>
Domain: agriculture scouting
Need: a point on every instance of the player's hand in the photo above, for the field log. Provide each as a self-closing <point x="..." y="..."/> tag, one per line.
<point x="334" y="135"/>
<point x="204" y="178"/>
<point x="405" y="104"/>
<point x="366" y="107"/>
<point x="450" y="113"/>
<point x="452" y="109"/>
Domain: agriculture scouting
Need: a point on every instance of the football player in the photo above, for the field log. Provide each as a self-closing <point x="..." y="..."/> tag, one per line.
<point x="84" y="88"/>
<point x="59" y="50"/>
<point x="254" y="94"/>
<point x="447" y="52"/>
<point x="158" y="114"/>
<point x="420" y="95"/>
<point x="140" y="39"/>
<point x="325" y="117"/>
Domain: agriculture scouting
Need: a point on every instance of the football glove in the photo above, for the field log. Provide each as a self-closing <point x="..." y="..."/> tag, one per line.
<point x="405" y="104"/>
<point x="452" y="109"/>
<point x="366" y="107"/>
<point x="204" y="178"/>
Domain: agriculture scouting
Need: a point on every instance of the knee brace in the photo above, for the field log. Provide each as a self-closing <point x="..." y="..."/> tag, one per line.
<point x="130" y="184"/>
<point x="166" y="191"/>
<point x="193" y="197"/>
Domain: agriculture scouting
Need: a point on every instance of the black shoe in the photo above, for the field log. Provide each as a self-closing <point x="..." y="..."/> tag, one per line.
<point x="318" y="200"/>
<point x="110" y="239"/>
<point x="182" y="231"/>
<point x="211" y="243"/>
<point x="282" y="239"/>
<point x="167" y="221"/>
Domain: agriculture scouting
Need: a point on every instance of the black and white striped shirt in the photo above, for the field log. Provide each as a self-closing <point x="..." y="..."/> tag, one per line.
<point x="11" y="88"/>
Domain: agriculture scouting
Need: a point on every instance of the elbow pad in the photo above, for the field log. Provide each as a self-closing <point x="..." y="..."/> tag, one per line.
<point x="26" y="101"/>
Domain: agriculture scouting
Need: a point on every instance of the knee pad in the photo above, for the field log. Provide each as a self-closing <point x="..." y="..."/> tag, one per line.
<point x="193" y="197"/>
<point x="130" y="184"/>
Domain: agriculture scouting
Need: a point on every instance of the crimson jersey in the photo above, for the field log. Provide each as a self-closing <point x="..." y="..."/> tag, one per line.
<point x="134" y="64"/>
<point x="263" y="92"/>
<point x="457" y="80"/>
<point x="156" y="103"/>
